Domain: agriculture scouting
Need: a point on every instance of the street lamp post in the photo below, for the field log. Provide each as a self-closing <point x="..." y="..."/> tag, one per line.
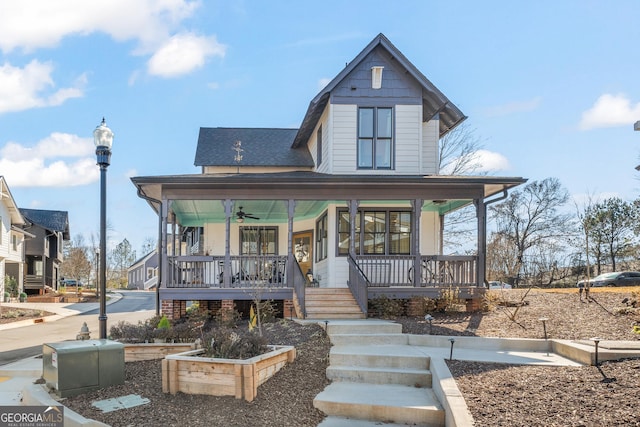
<point x="103" y="139"/>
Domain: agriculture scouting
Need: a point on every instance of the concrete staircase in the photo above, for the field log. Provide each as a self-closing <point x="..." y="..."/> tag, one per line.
<point x="377" y="378"/>
<point x="331" y="303"/>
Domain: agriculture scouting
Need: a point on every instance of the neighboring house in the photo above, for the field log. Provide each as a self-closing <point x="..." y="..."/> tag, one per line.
<point x="351" y="202"/>
<point x="43" y="253"/>
<point x="12" y="238"/>
<point x="143" y="273"/>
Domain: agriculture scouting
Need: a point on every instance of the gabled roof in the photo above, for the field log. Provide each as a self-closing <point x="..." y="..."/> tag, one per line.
<point x="9" y="201"/>
<point x="261" y="147"/>
<point x="433" y="101"/>
<point x="57" y="221"/>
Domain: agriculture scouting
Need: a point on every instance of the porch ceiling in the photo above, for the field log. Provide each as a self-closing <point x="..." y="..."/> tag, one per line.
<point x="196" y="213"/>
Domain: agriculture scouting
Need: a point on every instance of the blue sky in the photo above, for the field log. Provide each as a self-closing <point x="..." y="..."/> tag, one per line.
<point x="552" y="88"/>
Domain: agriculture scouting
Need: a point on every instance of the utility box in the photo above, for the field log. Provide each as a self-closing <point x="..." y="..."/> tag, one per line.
<point x="76" y="367"/>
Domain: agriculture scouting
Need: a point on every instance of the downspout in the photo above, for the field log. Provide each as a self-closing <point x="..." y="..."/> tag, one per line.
<point x="504" y="195"/>
<point x="158" y="245"/>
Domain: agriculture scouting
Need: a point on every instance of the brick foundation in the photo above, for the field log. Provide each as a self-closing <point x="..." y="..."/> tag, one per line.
<point x="288" y="311"/>
<point x="173" y="309"/>
<point x="474" y="305"/>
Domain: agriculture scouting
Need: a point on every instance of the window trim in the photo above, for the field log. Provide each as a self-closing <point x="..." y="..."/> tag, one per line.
<point x="387" y="233"/>
<point x="319" y="146"/>
<point x="375" y="139"/>
<point x="322" y="237"/>
<point x="259" y="229"/>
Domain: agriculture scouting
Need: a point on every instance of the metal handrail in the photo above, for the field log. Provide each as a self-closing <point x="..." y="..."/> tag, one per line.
<point x="358" y="284"/>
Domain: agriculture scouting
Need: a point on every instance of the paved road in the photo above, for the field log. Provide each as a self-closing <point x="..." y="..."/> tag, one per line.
<point x="27" y="341"/>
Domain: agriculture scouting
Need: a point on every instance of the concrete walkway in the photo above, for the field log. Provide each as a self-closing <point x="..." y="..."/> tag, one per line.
<point x="381" y="376"/>
<point x="367" y="339"/>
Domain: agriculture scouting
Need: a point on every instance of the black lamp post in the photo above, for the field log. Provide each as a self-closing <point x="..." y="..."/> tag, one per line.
<point x="103" y="139"/>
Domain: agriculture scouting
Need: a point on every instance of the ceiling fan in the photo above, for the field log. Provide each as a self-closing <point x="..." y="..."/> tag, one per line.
<point x="241" y="215"/>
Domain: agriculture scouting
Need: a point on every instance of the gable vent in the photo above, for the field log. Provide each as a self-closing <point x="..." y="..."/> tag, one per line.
<point x="376" y="77"/>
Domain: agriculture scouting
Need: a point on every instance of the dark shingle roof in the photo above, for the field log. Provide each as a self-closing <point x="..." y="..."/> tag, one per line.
<point x="50" y="220"/>
<point x="262" y="147"/>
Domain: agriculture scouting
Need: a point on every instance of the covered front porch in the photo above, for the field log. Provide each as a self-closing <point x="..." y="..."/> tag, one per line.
<point x="229" y="237"/>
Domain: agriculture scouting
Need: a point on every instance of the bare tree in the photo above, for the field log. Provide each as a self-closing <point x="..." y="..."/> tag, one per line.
<point x="148" y="245"/>
<point x="122" y="256"/>
<point x="458" y="155"/>
<point x="76" y="264"/>
<point x="530" y="218"/>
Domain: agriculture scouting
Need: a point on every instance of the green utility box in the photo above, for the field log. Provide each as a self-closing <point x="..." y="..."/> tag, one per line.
<point x="76" y="367"/>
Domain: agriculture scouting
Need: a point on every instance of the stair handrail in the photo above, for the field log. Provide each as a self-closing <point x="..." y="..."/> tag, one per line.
<point x="358" y="284"/>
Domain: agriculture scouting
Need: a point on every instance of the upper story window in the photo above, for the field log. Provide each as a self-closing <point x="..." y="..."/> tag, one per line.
<point x="375" y="138"/>
<point x="14" y="243"/>
<point x="319" y="146"/>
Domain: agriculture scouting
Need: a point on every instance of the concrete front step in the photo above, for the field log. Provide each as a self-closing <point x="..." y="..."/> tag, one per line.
<point x="385" y="403"/>
<point x="351" y="422"/>
<point x="384" y="356"/>
<point x="320" y="316"/>
<point x="369" y="339"/>
<point x="369" y="326"/>
<point x="359" y="374"/>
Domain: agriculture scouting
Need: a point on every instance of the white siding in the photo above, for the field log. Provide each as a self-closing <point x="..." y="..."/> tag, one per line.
<point x="407" y="139"/>
<point x="430" y="132"/>
<point x="344" y="120"/>
<point x="325" y="167"/>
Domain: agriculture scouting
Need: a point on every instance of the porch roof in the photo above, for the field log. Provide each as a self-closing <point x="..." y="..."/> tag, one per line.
<point x="312" y="186"/>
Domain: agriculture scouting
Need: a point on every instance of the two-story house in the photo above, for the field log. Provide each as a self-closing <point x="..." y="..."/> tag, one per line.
<point x="348" y="206"/>
<point x="143" y="273"/>
<point x="44" y="252"/>
<point x="12" y="238"/>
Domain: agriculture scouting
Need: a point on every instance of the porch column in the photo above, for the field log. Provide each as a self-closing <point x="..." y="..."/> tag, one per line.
<point x="441" y="236"/>
<point x="353" y="211"/>
<point x="291" y="207"/>
<point x="173" y="235"/>
<point x="415" y="227"/>
<point x="163" y="270"/>
<point x="481" y="267"/>
<point x="228" y="208"/>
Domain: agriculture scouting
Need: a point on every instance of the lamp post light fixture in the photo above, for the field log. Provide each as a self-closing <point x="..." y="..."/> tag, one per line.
<point x="596" y="341"/>
<point x="103" y="139"/>
<point x="451" y="340"/>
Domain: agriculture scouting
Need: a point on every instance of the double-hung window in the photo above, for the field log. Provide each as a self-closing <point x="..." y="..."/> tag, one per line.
<point x="375" y="138"/>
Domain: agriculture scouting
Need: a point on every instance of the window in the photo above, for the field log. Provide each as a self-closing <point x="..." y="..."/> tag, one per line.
<point x="258" y="241"/>
<point x="321" y="238"/>
<point x="377" y="232"/>
<point x="14" y="242"/>
<point x="375" y="138"/>
<point x="319" y="146"/>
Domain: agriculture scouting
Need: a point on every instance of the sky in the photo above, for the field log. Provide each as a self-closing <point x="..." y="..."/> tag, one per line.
<point x="551" y="88"/>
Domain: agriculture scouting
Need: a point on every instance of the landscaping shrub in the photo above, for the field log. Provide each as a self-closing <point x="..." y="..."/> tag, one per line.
<point x="227" y="343"/>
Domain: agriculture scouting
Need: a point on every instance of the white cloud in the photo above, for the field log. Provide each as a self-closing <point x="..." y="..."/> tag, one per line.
<point x="513" y="107"/>
<point x="322" y="83"/>
<point x="609" y="111"/>
<point x="32" y="86"/>
<point x="33" y="24"/>
<point x="41" y="165"/>
<point x="182" y="54"/>
<point x="490" y="161"/>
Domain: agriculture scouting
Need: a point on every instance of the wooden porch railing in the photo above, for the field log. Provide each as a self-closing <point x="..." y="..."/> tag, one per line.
<point x="358" y="284"/>
<point x="435" y="270"/>
<point x="208" y="271"/>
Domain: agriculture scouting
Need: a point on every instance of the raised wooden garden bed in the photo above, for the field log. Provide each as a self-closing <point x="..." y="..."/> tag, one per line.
<point x="193" y="374"/>
<point x="153" y="351"/>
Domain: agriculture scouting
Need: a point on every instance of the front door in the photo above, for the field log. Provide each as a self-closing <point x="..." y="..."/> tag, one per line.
<point x="303" y="250"/>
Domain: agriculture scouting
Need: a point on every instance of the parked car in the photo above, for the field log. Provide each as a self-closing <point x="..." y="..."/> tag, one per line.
<point x="499" y="285"/>
<point x="617" y="278"/>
